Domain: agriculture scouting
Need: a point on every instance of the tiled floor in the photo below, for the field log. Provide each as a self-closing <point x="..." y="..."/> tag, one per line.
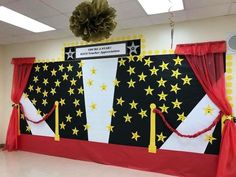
<point x="24" y="164"/>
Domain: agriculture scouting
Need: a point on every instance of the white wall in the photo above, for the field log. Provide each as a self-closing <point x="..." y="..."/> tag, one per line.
<point x="157" y="38"/>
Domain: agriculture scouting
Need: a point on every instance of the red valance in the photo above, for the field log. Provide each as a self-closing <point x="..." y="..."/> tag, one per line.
<point x="20" y="61"/>
<point x="200" y="49"/>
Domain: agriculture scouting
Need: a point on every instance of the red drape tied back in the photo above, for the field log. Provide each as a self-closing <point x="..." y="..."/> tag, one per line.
<point x="21" y="73"/>
<point x="207" y="63"/>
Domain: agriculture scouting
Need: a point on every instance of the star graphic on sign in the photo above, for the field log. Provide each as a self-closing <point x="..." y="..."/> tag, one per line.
<point x="181" y="117"/>
<point x="86" y="127"/>
<point x="65" y="77"/>
<point x="71" y="91"/>
<point x="54" y="72"/>
<point x="93" y="71"/>
<point x="131" y="70"/>
<point x="73" y="81"/>
<point x="53" y="91"/>
<point x="128" y="118"/>
<point x="93" y="106"/>
<point x="116" y="82"/>
<point x="135" y="136"/>
<point x="81" y="90"/>
<point x="110" y="128"/>
<point x="112" y="113"/>
<point x="38" y="89"/>
<point x="131" y="83"/>
<point x="176" y="103"/>
<point x="61" y="67"/>
<point x="174" y="88"/>
<point x="154" y="71"/>
<point x="133" y="105"/>
<point x="69" y="68"/>
<point x="57" y="83"/>
<point x="45" y="81"/>
<point x="149" y="90"/>
<point x="178" y="61"/>
<point x="142" y="77"/>
<point x="162" y="96"/>
<point x="44" y="102"/>
<point x="31" y="88"/>
<point x="35" y="79"/>
<point x="122" y="62"/>
<point x="210" y="138"/>
<point x="45" y="67"/>
<point x="148" y="62"/>
<point x="75" y="131"/>
<point x="103" y="87"/>
<point x="175" y="73"/>
<point x="79" y="113"/>
<point x="34" y="101"/>
<point x="164" y="108"/>
<point x="79" y="74"/>
<point x="161" y="82"/>
<point x="45" y="93"/>
<point x="120" y="101"/>
<point x="186" y="80"/>
<point x="164" y="66"/>
<point x="37" y="68"/>
<point x="62" y="126"/>
<point x="131" y="58"/>
<point x="133" y="48"/>
<point x="90" y="82"/>
<point x="68" y="118"/>
<point x="70" y="54"/>
<point x="62" y="102"/>
<point x="161" y="137"/>
<point x="76" y="102"/>
<point x="143" y="113"/>
<point x="208" y="110"/>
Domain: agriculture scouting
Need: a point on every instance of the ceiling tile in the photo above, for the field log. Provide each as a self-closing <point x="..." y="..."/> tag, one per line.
<point x="10" y="30"/>
<point x="4" y="2"/>
<point x="192" y="4"/>
<point x="58" y="22"/>
<point x="233" y="8"/>
<point x="112" y="2"/>
<point x="134" y="22"/>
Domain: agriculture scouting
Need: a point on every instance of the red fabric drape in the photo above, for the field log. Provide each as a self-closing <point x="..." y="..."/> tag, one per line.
<point x="21" y="73"/>
<point x="206" y="60"/>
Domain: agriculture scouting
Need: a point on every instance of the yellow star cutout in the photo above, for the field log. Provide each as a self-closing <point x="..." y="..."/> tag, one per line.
<point x="65" y="77"/>
<point x="35" y="79"/>
<point x="54" y="72"/>
<point x="175" y="88"/>
<point x="86" y="127"/>
<point x="68" y="118"/>
<point x="22" y="116"/>
<point x="75" y="131"/>
<point x="37" y="68"/>
<point x="128" y="118"/>
<point x="61" y="68"/>
<point x="186" y="80"/>
<point x="76" y="102"/>
<point x="93" y="106"/>
<point x="164" y="66"/>
<point x="71" y="91"/>
<point x="34" y="101"/>
<point x="131" y="83"/>
<point x="57" y="83"/>
<point x="131" y="70"/>
<point x="38" y="89"/>
<point x="143" y="113"/>
<point x="90" y="82"/>
<point x="38" y="111"/>
<point x="154" y="71"/>
<point x="110" y="128"/>
<point x="140" y="58"/>
<point x="45" y="67"/>
<point x="93" y="71"/>
<point x="73" y="81"/>
<point x="45" y="93"/>
<point x="53" y="91"/>
<point x="178" y="61"/>
<point x="149" y="90"/>
<point x="44" y="102"/>
<point x="161" y="82"/>
<point x="81" y="90"/>
<point x="62" y="102"/>
<point x="112" y="113"/>
<point x="116" y="82"/>
<point x="135" y="136"/>
<point x="103" y="87"/>
<point x="142" y="77"/>
<point x="210" y="138"/>
<point x="176" y="103"/>
<point x="133" y="105"/>
<point x="27" y="128"/>
<point x="69" y="68"/>
<point x="81" y="64"/>
<point x="120" y="101"/>
<point x="208" y="110"/>
<point x="122" y="62"/>
<point x="25" y="95"/>
<point x="181" y="117"/>
<point x="45" y="81"/>
<point x="161" y="137"/>
<point x="31" y="88"/>
<point x="164" y="108"/>
<point x="175" y="73"/>
<point x="162" y="96"/>
<point x="79" y="113"/>
<point x="148" y="62"/>
<point x="79" y="74"/>
<point x="131" y="58"/>
<point x="62" y="126"/>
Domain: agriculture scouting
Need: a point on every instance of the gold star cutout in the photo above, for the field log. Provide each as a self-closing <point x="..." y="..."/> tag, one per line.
<point x="178" y="61"/>
<point x="112" y="113"/>
<point x="161" y="137"/>
<point x="175" y="73"/>
<point x="45" y="81"/>
<point x="53" y="91"/>
<point x="34" y="101"/>
<point x="44" y="102"/>
<point x="62" y="102"/>
<point x="161" y="82"/>
<point x="79" y="74"/>
<point x="103" y="87"/>
<point x="135" y="136"/>
<point x="120" y="101"/>
<point x="68" y="118"/>
<point x="27" y="128"/>
<point x="164" y="66"/>
<point x="54" y="72"/>
<point x="110" y="128"/>
<point x="37" y="68"/>
<point x="25" y="95"/>
<point x="148" y="62"/>
<point x="176" y="103"/>
<point x="164" y="108"/>
<point x="31" y="88"/>
<point x="81" y="90"/>
<point x="142" y="77"/>
<point x="122" y="62"/>
<point x="128" y="118"/>
<point x="35" y="79"/>
<point x="131" y="58"/>
<point x="22" y="116"/>
<point x="61" y="68"/>
<point x="38" y="111"/>
<point x="116" y="82"/>
<point x="186" y="80"/>
<point x="79" y="113"/>
<point x="69" y="68"/>
<point x="65" y="77"/>
<point x="90" y="83"/>
<point x="71" y="91"/>
<point x="162" y="96"/>
<point x="73" y="82"/>
<point x="131" y="70"/>
<point x="154" y="71"/>
<point x="143" y="113"/>
<point x="93" y="106"/>
<point x="57" y="83"/>
<point x="45" y="67"/>
<point x="133" y="105"/>
<point x="175" y="88"/>
<point x="38" y="89"/>
<point x="76" y="102"/>
<point x="210" y="138"/>
<point x="93" y="71"/>
<point x="131" y="83"/>
<point x="181" y="117"/>
<point x="45" y="93"/>
<point x="81" y="64"/>
<point x="75" y="131"/>
<point x="86" y="127"/>
<point x="149" y="90"/>
<point x="62" y="126"/>
<point x="208" y="110"/>
<point x="140" y="58"/>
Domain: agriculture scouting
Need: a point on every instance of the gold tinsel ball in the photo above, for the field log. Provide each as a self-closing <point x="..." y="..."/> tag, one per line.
<point x="93" y="21"/>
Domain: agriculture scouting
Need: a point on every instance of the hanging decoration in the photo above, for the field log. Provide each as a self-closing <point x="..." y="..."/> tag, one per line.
<point x="93" y="20"/>
<point x="172" y="24"/>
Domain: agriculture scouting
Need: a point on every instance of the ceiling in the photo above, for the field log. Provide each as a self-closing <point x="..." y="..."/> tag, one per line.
<point x="130" y="14"/>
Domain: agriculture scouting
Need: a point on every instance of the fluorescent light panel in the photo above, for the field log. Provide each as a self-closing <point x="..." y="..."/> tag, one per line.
<point x="22" y="21"/>
<point x="161" y="6"/>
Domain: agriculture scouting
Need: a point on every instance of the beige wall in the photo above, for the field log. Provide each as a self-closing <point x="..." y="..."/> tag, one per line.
<point x="157" y="38"/>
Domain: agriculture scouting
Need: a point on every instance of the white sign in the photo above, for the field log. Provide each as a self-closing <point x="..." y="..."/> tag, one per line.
<point x="101" y="51"/>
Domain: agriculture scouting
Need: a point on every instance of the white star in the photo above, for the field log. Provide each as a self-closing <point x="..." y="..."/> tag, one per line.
<point x="69" y="54"/>
<point x="133" y="48"/>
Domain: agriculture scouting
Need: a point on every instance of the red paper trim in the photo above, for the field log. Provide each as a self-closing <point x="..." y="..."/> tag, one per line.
<point x="20" y="61"/>
<point x="181" y="164"/>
